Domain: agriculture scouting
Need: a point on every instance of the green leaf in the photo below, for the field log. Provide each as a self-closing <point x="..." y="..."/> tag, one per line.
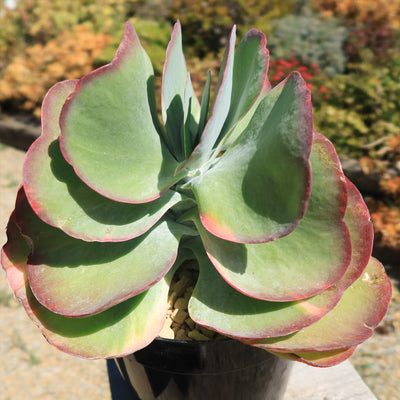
<point x="219" y="111"/>
<point x="319" y="359"/>
<point x="173" y="92"/>
<point x="62" y="270"/>
<point x="180" y="107"/>
<point x="308" y="260"/>
<point x="118" y="331"/>
<point x="258" y="190"/>
<point x="352" y="321"/>
<point x="151" y="93"/>
<point x="14" y="255"/>
<point x="361" y="230"/>
<point x="250" y="81"/>
<point x="217" y="305"/>
<point x="62" y="200"/>
<point x="107" y="130"/>
<point x="205" y="102"/>
<point x="192" y="117"/>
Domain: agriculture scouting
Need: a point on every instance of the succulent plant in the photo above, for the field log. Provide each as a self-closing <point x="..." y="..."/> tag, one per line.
<point x="113" y="202"/>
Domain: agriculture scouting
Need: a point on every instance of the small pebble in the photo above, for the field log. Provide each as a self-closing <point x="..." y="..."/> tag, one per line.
<point x="196" y="335"/>
<point x="180" y="316"/>
<point x="181" y="303"/>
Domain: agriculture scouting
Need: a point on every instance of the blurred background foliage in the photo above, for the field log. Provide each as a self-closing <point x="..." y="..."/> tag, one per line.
<point x="312" y="40"/>
<point x="346" y="50"/>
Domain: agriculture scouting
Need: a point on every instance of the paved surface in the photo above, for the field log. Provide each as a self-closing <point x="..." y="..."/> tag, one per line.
<point x="32" y="370"/>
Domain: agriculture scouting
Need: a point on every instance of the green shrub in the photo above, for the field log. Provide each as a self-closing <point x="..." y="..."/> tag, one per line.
<point x="362" y="108"/>
<point x="154" y="36"/>
<point x="208" y="23"/>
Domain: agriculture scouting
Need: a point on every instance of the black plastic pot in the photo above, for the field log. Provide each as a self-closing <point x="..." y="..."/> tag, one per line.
<point x="224" y="369"/>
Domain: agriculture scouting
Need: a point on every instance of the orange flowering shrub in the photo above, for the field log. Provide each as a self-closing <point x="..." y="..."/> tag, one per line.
<point x="386" y="220"/>
<point x="385" y="212"/>
<point x="391" y="186"/>
<point x="27" y="78"/>
<point x="362" y="11"/>
<point x="393" y="145"/>
<point x="34" y="22"/>
<point x="208" y="22"/>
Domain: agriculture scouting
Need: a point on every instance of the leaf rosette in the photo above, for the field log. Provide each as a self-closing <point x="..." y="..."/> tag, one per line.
<point x="113" y="201"/>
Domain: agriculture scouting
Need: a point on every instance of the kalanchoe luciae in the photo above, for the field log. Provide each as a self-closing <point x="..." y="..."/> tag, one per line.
<point x="112" y="202"/>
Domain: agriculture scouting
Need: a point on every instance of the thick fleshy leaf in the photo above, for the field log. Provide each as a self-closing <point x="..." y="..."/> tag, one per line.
<point x="240" y="126"/>
<point x="217" y="305"/>
<point x="62" y="270"/>
<point x="107" y="130"/>
<point x="307" y="261"/>
<point x="219" y="110"/>
<point x="173" y="92"/>
<point x="249" y="77"/>
<point x="14" y="255"/>
<point x="151" y="93"/>
<point x="62" y="200"/>
<point x="319" y="359"/>
<point x="204" y="106"/>
<point x="258" y="190"/>
<point x="192" y="118"/>
<point x="352" y="321"/>
<point x="120" y="330"/>
<point x="359" y="223"/>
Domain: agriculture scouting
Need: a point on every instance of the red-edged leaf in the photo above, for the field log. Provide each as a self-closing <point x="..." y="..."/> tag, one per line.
<point x="75" y="278"/>
<point x="62" y="200"/>
<point x="118" y="331"/>
<point x="180" y="107"/>
<point x="217" y="305"/>
<point x="250" y="83"/>
<point x="219" y="111"/>
<point x="359" y="223"/>
<point x="107" y="130"/>
<point x="360" y="310"/>
<point x="319" y="359"/>
<point x="307" y="261"/>
<point x="258" y="190"/>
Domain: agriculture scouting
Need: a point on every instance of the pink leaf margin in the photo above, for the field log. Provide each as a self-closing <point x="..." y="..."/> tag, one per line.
<point x="14" y="263"/>
<point x="129" y="43"/>
<point x="306" y="135"/>
<point x="39" y="148"/>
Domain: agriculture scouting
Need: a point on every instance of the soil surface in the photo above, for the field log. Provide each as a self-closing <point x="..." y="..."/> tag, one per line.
<point x="33" y="370"/>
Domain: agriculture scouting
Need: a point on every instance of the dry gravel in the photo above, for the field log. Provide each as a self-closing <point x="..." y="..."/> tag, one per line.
<point x="33" y="370"/>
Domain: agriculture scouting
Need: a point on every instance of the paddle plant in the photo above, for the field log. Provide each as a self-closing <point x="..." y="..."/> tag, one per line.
<point x="239" y="185"/>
